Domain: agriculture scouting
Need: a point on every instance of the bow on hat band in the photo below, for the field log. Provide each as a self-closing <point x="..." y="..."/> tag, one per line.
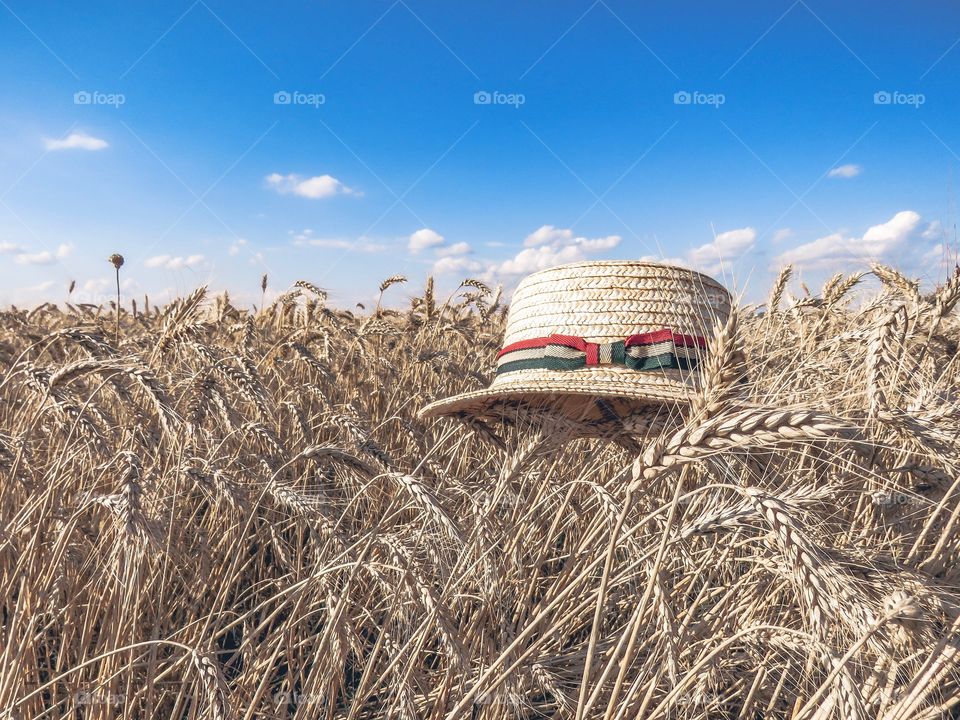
<point x="658" y="350"/>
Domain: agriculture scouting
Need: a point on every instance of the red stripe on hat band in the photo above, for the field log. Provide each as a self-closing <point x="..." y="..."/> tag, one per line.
<point x="577" y="343"/>
<point x="593" y="353"/>
<point x="658" y="336"/>
<point x="565" y="340"/>
<point x="523" y="345"/>
<point x="592" y="350"/>
<point x="649" y="338"/>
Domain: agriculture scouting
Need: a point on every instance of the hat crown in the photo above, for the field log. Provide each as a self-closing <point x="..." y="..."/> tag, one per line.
<point x="608" y="367"/>
<point x="606" y="301"/>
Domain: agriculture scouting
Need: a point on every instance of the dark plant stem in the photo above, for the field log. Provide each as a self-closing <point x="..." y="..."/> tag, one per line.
<point x="118" y="308"/>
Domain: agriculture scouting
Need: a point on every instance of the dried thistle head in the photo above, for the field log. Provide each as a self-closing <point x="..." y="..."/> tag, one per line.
<point x="116" y="260"/>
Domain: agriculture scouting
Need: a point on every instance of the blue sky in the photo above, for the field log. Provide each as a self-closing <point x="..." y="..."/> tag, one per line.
<point x="211" y="141"/>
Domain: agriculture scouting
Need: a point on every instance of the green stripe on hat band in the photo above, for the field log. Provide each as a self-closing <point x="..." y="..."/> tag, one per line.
<point x="663" y="361"/>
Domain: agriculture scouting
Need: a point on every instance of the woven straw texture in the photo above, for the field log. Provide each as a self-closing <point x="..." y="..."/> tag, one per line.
<point x="601" y="302"/>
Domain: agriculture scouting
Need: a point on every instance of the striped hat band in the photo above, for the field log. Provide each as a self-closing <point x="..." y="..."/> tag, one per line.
<point x="657" y="350"/>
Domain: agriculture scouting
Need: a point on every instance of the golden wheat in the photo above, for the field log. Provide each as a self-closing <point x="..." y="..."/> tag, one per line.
<point x="223" y="512"/>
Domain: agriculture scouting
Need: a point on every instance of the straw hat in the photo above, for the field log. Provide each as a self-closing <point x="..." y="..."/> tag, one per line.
<point x="591" y="339"/>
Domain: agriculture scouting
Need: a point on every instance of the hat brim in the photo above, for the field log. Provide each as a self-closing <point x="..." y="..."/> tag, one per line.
<point x="572" y="393"/>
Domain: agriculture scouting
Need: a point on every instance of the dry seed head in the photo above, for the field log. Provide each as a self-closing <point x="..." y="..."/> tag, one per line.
<point x="779" y="286"/>
<point x="214" y="684"/>
<point x="392" y="280"/>
<point x="897" y="281"/>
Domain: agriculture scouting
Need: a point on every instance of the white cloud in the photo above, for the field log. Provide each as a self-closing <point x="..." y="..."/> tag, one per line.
<point x="306" y="239"/>
<point x="726" y="248"/>
<point x="454" y="258"/>
<point x="45" y="257"/>
<point x="548" y="246"/>
<point x="7" y="247"/>
<point x="456" y="263"/>
<point x="96" y="285"/>
<point x="319" y="186"/>
<point x="782" y="234"/>
<point x="939" y="258"/>
<point x="173" y="262"/>
<point x="545" y="247"/>
<point x="845" y="171"/>
<point x="424" y="238"/>
<point x="342" y="244"/>
<point x="682" y="262"/>
<point x="877" y="243"/>
<point x="76" y="141"/>
<point x="933" y="231"/>
<point x="547" y="234"/>
<point x="880" y="239"/>
<point x="460" y="248"/>
<point x="819" y="253"/>
<point x="235" y="246"/>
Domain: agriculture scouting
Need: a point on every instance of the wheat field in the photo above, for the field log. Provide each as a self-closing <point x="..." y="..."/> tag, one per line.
<point x="215" y="512"/>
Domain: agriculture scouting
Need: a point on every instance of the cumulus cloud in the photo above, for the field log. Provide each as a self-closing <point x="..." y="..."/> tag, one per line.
<point x="877" y="243"/>
<point x="173" y="262"/>
<point x="456" y="263"/>
<point x="40" y="287"/>
<point x="95" y="285"/>
<point x="235" y="247"/>
<point x="881" y="239"/>
<point x="45" y="257"/>
<point x="456" y="258"/>
<point x="306" y="239"/>
<point x="76" y="141"/>
<point x="548" y="246"/>
<point x="933" y="231"/>
<point x="423" y="239"/>
<point x="8" y="247"/>
<point x="543" y="248"/>
<point x="939" y="259"/>
<point x="319" y="186"/>
<point x="460" y="248"/>
<point x="782" y="234"/>
<point x="726" y="248"/>
<point x="845" y="171"/>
